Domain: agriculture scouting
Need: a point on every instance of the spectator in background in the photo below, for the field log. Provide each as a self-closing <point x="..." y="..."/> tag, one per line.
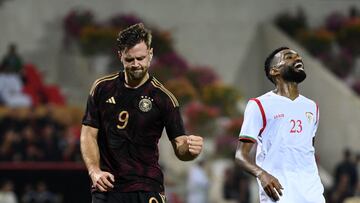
<point x="49" y="142"/>
<point x="11" y="146"/>
<point x="197" y="183"/>
<point x="44" y="195"/>
<point x="236" y="185"/>
<point x="357" y="163"/>
<point x="11" y="91"/>
<point x="69" y="144"/>
<point x="40" y="195"/>
<point x="340" y="191"/>
<point x="353" y="12"/>
<point x="7" y="194"/>
<point x="243" y="183"/>
<point x="11" y="83"/>
<point x="28" y="136"/>
<point x="229" y="188"/>
<point x="12" y="61"/>
<point x="29" y="195"/>
<point x="347" y="168"/>
<point x="33" y="151"/>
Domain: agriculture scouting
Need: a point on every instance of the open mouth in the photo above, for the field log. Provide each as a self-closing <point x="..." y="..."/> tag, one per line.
<point x="299" y="66"/>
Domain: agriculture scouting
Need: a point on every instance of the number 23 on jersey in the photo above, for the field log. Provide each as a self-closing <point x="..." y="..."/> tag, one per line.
<point x="296" y="126"/>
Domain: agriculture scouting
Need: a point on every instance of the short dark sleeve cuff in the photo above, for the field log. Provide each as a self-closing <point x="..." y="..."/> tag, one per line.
<point x="88" y="123"/>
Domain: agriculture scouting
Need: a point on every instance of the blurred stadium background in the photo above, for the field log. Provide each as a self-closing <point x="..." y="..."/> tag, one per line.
<point x="209" y="53"/>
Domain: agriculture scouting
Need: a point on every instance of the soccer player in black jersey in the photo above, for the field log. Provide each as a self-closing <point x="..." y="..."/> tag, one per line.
<point x="125" y="115"/>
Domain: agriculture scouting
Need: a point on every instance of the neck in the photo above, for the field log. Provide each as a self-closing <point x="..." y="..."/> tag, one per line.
<point x="287" y="89"/>
<point x="131" y="83"/>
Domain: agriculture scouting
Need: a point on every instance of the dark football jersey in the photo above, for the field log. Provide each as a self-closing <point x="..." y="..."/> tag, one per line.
<point x="130" y="123"/>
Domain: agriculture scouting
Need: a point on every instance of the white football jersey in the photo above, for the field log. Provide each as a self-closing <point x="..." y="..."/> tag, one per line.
<point x="284" y="130"/>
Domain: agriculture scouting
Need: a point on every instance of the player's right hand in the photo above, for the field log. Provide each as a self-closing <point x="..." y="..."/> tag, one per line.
<point x="102" y="180"/>
<point x="271" y="185"/>
<point x="195" y="144"/>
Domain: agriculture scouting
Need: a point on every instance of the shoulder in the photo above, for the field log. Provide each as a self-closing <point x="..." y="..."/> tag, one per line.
<point x="308" y="101"/>
<point x="264" y="103"/>
<point x="163" y="92"/>
<point x="103" y="80"/>
<point x="263" y="98"/>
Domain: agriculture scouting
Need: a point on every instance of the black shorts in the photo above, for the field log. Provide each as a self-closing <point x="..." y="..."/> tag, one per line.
<point x="127" y="197"/>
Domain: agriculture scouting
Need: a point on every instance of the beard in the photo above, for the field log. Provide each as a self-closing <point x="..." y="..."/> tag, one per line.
<point x="290" y="74"/>
<point x="136" y="74"/>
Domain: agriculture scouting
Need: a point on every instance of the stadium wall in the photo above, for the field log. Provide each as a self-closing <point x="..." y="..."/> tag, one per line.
<point x="206" y="32"/>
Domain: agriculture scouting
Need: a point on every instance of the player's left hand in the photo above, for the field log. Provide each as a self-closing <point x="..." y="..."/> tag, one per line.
<point x="195" y="144"/>
<point x="271" y="185"/>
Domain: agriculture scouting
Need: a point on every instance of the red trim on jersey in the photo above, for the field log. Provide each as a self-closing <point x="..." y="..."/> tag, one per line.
<point x="247" y="139"/>
<point x="262" y="114"/>
<point x="317" y="113"/>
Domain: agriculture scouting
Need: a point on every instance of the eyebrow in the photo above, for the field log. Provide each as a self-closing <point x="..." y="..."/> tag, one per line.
<point x="290" y="52"/>
<point x="131" y="57"/>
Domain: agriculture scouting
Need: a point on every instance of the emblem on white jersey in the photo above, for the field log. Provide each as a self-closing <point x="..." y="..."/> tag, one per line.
<point x="309" y="116"/>
<point x="111" y="100"/>
<point x="145" y="103"/>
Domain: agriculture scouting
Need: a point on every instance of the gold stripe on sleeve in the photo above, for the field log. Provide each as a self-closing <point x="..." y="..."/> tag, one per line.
<point x="167" y="92"/>
<point x="102" y="79"/>
<point x="162" y="87"/>
<point x="153" y="200"/>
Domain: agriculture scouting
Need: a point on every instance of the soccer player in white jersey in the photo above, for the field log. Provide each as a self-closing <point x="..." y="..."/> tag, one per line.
<point x="282" y="124"/>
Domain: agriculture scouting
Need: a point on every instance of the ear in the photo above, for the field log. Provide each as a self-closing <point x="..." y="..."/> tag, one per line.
<point x="151" y="53"/>
<point x="274" y="71"/>
<point x="120" y="55"/>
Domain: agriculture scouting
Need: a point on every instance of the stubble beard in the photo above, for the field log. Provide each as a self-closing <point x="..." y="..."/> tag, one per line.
<point x="136" y="75"/>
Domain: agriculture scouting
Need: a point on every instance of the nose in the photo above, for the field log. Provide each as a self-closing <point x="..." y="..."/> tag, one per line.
<point x="135" y="63"/>
<point x="298" y="58"/>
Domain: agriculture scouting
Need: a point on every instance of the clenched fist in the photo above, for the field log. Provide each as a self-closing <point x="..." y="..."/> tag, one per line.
<point x="195" y="144"/>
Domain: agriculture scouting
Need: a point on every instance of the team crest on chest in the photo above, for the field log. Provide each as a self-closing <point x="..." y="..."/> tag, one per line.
<point x="309" y="116"/>
<point x="145" y="103"/>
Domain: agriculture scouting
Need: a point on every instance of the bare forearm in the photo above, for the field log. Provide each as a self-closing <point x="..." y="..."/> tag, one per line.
<point x="90" y="150"/>
<point x="270" y="184"/>
<point x="244" y="159"/>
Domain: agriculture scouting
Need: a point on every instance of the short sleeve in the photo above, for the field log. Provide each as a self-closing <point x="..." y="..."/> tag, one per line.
<point x="253" y="122"/>
<point x="317" y="120"/>
<point x="91" y="116"/>
<point x="173" y="121"/>
<point x="174" y="124"/>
